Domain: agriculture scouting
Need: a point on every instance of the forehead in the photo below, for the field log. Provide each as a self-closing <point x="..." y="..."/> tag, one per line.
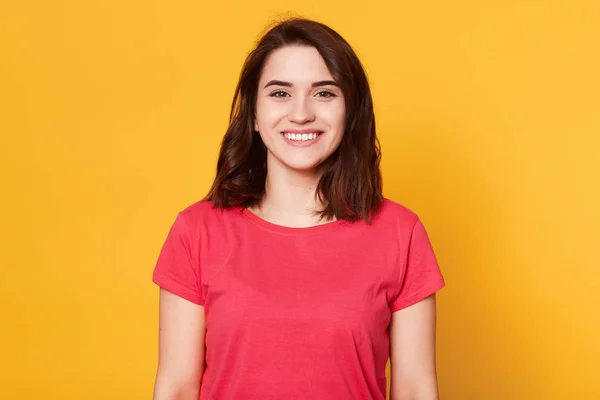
<point x="295" y="64"/>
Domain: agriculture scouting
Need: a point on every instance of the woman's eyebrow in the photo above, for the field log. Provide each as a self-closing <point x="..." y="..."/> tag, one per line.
<point x="278" y="83"/>
<point x="325" y="83"/>
<point x="289" y="84"/>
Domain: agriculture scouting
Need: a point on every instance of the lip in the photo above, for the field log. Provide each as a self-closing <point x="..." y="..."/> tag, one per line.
<point x="301" y="143"/>
<point x="307" y="130"/>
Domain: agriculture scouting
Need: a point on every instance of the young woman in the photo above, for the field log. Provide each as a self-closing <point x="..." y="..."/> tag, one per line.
<point x="294" y="278"/>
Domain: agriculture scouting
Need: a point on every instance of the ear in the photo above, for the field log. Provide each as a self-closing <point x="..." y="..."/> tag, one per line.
<point x="255" y="125"/>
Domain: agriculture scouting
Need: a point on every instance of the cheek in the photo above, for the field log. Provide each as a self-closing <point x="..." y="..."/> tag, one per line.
<point x="336" y="117"/>
<point x="268" y="114"/>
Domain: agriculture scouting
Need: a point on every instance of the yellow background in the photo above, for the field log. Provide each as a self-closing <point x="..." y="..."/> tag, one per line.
<point x="488" y="113"/>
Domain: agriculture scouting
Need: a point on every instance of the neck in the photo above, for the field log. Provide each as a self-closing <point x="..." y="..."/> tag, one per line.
<point x="289" y="198"/>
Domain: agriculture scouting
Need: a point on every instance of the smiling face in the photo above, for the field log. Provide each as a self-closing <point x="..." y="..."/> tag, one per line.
<point x="300" y="110"/>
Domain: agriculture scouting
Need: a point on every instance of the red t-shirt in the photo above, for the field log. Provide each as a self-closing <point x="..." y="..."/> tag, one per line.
<point x="296" y="313"/>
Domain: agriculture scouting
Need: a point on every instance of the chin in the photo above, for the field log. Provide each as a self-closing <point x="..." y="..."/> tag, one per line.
<point x="309" y="162"/>
<point x="302" y="165"/>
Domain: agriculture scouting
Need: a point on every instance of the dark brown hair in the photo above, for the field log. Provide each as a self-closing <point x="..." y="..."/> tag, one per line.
<point x="350" y="186"/>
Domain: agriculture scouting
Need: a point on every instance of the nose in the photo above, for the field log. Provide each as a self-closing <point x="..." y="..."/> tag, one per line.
<point x="300" y="111"/>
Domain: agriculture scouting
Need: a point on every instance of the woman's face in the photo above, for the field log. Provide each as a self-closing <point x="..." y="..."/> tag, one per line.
<point x="300" y="110"/>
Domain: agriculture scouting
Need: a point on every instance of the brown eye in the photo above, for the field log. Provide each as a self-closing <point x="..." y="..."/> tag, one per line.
<point x="279" y="93"/>
<point x="326" y="93"/>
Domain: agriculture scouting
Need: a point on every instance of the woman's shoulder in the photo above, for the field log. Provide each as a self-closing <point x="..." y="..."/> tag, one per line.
<point x="395" y="216"/>
<point x="206" y="213"/>
<point x="391" y="210"/>
<point x="395" y="220"/>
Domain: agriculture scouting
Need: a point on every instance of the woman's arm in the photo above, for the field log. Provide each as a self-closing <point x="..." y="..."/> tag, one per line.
<point x="412" y="352"/>
<point x="182" y="328"/>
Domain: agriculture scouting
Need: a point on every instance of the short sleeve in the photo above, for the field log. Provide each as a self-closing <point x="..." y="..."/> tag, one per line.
<point x="177" y="269"/>
<point x="421" y="275"/>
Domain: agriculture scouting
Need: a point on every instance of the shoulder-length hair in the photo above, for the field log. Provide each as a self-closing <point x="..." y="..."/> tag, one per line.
<point x="350" y="186"/>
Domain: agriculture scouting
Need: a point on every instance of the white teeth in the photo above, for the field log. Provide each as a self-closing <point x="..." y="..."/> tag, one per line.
<point x="301" y="136"/>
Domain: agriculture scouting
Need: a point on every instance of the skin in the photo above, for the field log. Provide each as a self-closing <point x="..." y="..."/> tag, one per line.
<point x="182" y="328"/>
<point x="412" y="352"/>
<point x="296" y="91"/>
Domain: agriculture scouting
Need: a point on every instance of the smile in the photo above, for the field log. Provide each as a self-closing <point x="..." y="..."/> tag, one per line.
<point x="301" y="137"/>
